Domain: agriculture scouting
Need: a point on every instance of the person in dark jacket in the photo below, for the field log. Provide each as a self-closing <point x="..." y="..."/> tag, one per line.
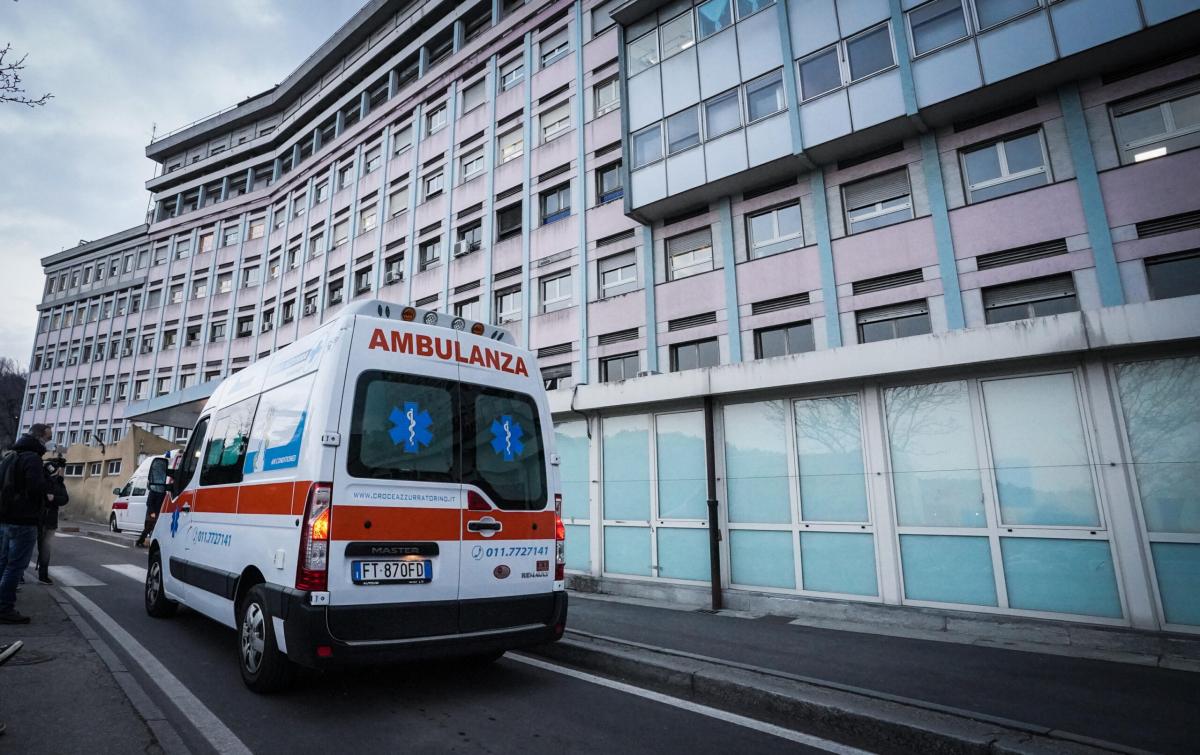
<point x="19" y="517"/>
<point x="154" y="502"/>
<point x="57" y="499"/>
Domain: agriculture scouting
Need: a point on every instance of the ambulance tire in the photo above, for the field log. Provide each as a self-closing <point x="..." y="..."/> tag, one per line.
<point x="112" y="523"/>
<point x="264" y="668"/>
<point x="158" y="604"/>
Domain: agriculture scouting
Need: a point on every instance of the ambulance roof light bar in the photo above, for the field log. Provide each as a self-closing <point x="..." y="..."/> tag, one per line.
<point x="393" y="311"/>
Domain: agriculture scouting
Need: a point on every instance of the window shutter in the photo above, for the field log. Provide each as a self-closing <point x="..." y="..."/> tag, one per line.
<point x="1029" y="291"/>
<point x="690" y="242"/>
<point x="892" y="312"/>
<point x="877" y="189"/>
<point x="1154" y="98"/>
<point x="616" y="261"/>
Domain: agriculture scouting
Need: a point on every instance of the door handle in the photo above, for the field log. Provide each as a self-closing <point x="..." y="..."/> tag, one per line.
<point x="484" y="526"/>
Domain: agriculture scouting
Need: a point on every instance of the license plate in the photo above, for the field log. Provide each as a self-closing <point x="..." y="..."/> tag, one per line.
<point x="390" y="572"/>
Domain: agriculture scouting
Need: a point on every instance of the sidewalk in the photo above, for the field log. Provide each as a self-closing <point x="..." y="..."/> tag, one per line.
<point x="919" y="685"/>
<point x="56" y="694"/>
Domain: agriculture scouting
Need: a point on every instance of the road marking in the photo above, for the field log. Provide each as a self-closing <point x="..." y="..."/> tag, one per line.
<point x="105" y="542"/>
<point x="210" y="727"/>
<point x="137" y="573"/>
<point x="59" y="534"/>
<point x="704" y="710"/>
<point x="69" y="576"/>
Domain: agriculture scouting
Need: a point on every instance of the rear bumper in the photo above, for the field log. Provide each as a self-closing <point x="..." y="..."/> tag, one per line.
<point x="307" y="627"/>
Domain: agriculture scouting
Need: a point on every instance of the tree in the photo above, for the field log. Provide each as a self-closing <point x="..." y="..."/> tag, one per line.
<point x="12" y="392"/>
<point x="11" y="88"/>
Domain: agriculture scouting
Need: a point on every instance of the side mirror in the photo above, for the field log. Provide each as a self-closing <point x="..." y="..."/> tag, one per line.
<point x="157" y="476"/>
<point x="116" y="491"/>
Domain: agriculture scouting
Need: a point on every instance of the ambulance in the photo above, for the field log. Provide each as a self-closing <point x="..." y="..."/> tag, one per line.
<point x="382" y="489"/>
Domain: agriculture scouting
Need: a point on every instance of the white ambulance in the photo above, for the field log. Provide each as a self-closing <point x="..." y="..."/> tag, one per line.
<point x="382" y="489"/>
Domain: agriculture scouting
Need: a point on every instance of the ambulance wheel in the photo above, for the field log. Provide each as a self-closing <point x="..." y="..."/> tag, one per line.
<point x="158" y="604"/>
<point x="264" y="668"/>
<point x="112" y="523"/>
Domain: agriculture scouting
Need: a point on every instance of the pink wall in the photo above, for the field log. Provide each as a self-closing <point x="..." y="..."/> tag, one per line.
<point x="1151" y="189"/>
<point x="1051" y="212"/>
<point x="899" y="247"/>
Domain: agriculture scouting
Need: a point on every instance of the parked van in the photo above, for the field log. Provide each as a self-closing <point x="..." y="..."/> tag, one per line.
<point x="129" y="507"/>
<point x="382" y="488"/>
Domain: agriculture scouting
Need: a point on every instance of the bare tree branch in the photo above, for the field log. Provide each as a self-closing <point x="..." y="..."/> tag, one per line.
<point x="11" y="88"/>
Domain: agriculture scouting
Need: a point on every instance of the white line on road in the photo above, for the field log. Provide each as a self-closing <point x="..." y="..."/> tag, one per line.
<point x="69" y="576"/>
<point x="704" y="710"/>
<point x="137" y="573"/>
<point x="98" y="540"/>
<point x="219" y="735"/>
<point x="59" y="534"/>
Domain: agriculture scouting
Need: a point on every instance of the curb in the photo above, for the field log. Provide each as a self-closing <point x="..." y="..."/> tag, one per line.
<point x="853" y="716"/>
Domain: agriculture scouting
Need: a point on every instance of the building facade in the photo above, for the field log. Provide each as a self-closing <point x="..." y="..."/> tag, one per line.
<point x="911" y="290"/>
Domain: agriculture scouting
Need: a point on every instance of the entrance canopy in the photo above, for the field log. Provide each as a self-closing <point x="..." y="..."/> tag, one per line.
<point x="178" y="409"/>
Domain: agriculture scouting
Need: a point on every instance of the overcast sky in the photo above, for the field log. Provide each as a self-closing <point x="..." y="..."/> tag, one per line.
<point x="76" y="168"/>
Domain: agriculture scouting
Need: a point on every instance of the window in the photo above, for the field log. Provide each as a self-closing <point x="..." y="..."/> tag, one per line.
<point x="367" y="220"/>
<point x="289" y="311"/>
<point x="618" y="274"/>
<point x="345" y="175"/>
<point x="992" y="12"/>
<point x="401" y="139"/>
<point x="556" y="203"/>
<point x="1176" y="275"/>
<point x="322" y="191"/>
<point x="608" y="183"/>
<point x="341" y="233"/>
<point x="95" y="467"/>
<point x="748" y="7"/>
<point x="230" y="235"/>
<point x="647" y="146"/>
<point x="510" y="145"/>
<point x="245" y="326"/>
<point x="374" y="158"/>
<point x="641" y="53"/>
<point x="225" y="452"/>
<point x="689" y="356"/>
<point x="468" y="310"/>
<point x="471" y="238"/>
<point x="310" y="303"/>
<point x="224" y="283"/>
<point x="199" y="291"/>
<point x="435" y="119"/>
<point x="617" y="368"/>
<point x="216" y="332"/>
<point x="556" y="376"/>
<point x="191" y="336"/>
<point x="511" y="75"/>
<point x="820" y="73"/>
<point x="796" y="338"/>
<point x="1035" y="298"/>
<point x="316" y="245"/>
<point x="508" y="305"/>
<point x="895" y="321"/>
<point x="765" y="97"/>
<point x="176" y="293"/>
<point x="677" y="35"/>
<point x="555" y="121"/>
<point x="250" y="277"/>
<point x="556" y="291"/>
<point x="690" y="253"/>
<point x="256" y="229"/>
<point x="430" y="253"/>
<point x="769" y="230"/>
<point x="1158" y="123"/>
<point x="398" y="201"/>
<point x="154" y="299"/>
<point x="474" y="96"/>
<point x="713" y="16"/>
<point x="683" y="130"/>
<point x="878" y="201"/>
<point x="722" y="114"/>
<point x="113" y="467"/>
<point x="1009" y="165"/>
<point x="869" y="52"/>
<point x="337" y="292"/>
<point x="936" y="24"/>
<point x="508" y="221"/>
<point x="607" y="96"/>
<point x="433" y="184"/>
<point x="471" y="165"/>
<point x="554" y="47"/>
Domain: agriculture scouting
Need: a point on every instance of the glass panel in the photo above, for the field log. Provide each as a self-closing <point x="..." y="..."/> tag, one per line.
<point x="627" y="550"/>
<point x="913" y="325"/>
<point x="627" y="468"/>
<point x="991" y="12"/>
<point x="934" y="464"/>
<point x="789" y="220"/>
<point x="1168" y="279"/>
<point x="1162" y="417"/>
<point x="1043" y="474"/>
<point x="882" y="330"/>
<point x="761" y="558"/>
<point x="713" y="16"/>
<point x="820" y="73"/>
<point x="772" y="343"/>
<point x="1178" y="568"/>
<point x="869" y="53"/>
<point x="1063" y="576"/>
<point x="579" y="547"/>
<point x="683" y="553"/>
<point x="1055" y="306"/>
<point x="572" y="442"/>
<point x="683" y="130"/>
<point x="1141" y="124"/>
<point x="677" y="35"/>
<point x="764" y="98"/>
<point x="722" y="114"/>
<point x="1008" y="187"/>
<point x="641" y="53"/>
<point x="1186" y="111"/>
<point x="982" y="164"/>
<point x="829" y="453"/>
<point x="1024" y="153"/>
<point x="936" y="24"/>
<point x="948" y="569"/>
<point x="403" y="427"/>
<point x="746" y="7"/>
<point x="838" y="562"/>
<point x="647" y="146"/>
<point x="682" y="474"/>
<point x="762" y="229"/>
<point x="756" y="465"/>
<point x="509" y="461"/>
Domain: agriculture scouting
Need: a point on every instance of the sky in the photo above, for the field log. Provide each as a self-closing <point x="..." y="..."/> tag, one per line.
<point x="76" y="168"/>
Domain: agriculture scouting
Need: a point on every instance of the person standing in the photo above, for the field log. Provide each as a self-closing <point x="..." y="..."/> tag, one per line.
<point x="25" y="491"/>
<point x="57" y="498"/>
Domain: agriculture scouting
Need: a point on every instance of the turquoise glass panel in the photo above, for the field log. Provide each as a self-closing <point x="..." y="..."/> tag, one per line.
<point x="1161" y="403"/>
<point x="935" y="471"/>
<point x="1043" y="474"/>
<point x="838" y="562"/>
<point x="948" y="569"/>
<point x="756" y="465"/>
<point x="682" y="474"/>
<point x="572" y="443"/>
<point x="627" y="468"/>
<point x="683" y="553"/>
<point x="1178" y="569"/>
<point x="579" y="547"/>
<point x="762" y="558"/>
<point x="829" y="455"/>
<point x="627" y="550"/>
<point x="1063" y="576"/>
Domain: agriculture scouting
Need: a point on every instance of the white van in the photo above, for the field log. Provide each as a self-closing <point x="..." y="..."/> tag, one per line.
<point x="128" y="510"/>
<point x="383" y="488"/>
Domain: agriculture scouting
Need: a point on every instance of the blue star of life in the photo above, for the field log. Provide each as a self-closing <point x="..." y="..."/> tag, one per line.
<point x="506" y="437"/>
<point x="174" y="521"/>
<point x="410" y="427"/>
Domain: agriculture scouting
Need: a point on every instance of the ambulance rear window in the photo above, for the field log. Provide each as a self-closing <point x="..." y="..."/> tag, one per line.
<point x="403" y="428"/>
<point x="506" y="458"/>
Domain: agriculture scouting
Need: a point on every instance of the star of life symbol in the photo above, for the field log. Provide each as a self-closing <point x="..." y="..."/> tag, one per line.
<point x="410" y="427"/>
<point x="174" y="521"/>
<point x="506" y="437"/>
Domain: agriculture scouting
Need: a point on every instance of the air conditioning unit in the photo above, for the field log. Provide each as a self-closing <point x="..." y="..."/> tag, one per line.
<point x="393" y="276"/>
<point x="647" y="373"/>
<point x="72" y="362"/>
<point x="147" y="349"/>
<point x="461" y="248"/>
<point x="267" y="325"/>
<point x="336" y="298"/>
<point x="310" y="309"/>
<point x="127" y="352"/>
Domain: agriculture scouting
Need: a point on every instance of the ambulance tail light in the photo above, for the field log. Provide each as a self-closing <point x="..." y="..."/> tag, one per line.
<point x="312" y="571"/>
<point x="560" y="541"/>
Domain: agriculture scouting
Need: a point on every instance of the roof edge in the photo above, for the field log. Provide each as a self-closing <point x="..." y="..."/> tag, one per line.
<point x="91" y="246"/>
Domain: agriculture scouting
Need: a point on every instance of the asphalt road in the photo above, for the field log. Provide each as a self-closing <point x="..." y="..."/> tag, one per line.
<point x="508" y="706"/>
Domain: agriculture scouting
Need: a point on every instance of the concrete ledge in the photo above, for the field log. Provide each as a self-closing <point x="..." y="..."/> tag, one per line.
<point x="878" y="722"/>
